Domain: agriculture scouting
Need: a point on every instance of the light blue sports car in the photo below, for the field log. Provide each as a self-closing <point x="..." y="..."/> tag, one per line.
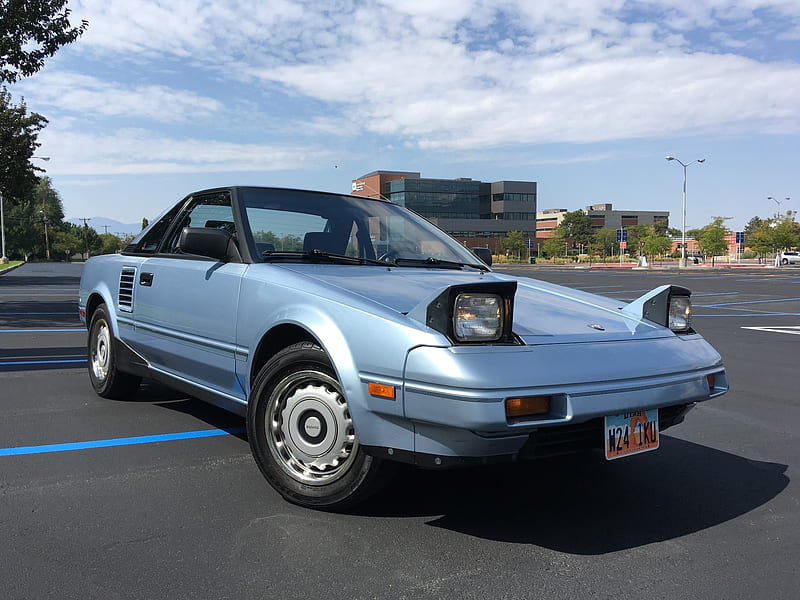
<point x="352" y="334"/>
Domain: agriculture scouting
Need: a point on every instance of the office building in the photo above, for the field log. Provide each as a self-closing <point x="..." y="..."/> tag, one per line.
<point x="477" y="213"/>
<point x="602" y="216"/>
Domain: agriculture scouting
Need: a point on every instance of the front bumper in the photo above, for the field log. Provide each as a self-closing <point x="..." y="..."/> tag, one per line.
<point x="455" y="397"/>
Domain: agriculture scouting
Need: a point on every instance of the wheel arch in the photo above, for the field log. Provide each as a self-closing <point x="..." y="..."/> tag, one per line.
<point x="96" y="299"/>
<point x="318" y="328"/>
<point x="276" y="339"/>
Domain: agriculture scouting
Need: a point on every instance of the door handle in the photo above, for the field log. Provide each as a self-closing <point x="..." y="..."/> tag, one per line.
<point x="146" y="279"/>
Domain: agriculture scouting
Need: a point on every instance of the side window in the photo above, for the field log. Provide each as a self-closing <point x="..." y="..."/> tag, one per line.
<point x="279" y="230"/>
<point x="149" y="241"/>
<point x="211" y="210"/>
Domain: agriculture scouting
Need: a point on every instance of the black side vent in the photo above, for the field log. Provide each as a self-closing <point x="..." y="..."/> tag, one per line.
<point x="126" y="281"/>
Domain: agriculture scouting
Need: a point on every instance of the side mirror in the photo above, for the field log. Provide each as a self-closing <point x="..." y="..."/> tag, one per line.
<point x="485" y="254"/>
<point x="204" y="241"/>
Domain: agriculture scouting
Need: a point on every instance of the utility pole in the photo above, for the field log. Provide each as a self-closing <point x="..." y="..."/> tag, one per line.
<point x="85" y="234"/>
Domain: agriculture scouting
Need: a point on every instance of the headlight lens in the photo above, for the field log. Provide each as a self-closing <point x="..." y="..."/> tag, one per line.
<point x="478" y="317"/>
<point x="680" y="313"/>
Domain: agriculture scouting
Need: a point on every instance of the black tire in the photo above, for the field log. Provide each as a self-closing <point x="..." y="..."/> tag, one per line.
<point x="302" y="437"/>
<point x="107" y="380"/>
<point x="784" y="261"/>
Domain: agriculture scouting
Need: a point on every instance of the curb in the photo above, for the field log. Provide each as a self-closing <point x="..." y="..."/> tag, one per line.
<point x="9" y="269"/>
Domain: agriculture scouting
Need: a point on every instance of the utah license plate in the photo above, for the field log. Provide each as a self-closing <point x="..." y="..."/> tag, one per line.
<point x="631" y="433"/>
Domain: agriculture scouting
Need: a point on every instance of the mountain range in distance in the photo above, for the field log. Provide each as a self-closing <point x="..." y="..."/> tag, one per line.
<point x="106" y="225"/>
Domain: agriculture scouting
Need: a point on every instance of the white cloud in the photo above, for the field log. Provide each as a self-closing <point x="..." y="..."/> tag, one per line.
<point x="74" y="92"/>
<point x="444" y="75"/>
<point x="135" y="151"/>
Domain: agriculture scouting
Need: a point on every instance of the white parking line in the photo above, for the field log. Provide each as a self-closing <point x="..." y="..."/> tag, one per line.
<point x="792" y="329"/>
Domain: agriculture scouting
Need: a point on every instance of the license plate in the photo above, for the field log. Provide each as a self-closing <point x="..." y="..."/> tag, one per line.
<point x="631" y="433"/>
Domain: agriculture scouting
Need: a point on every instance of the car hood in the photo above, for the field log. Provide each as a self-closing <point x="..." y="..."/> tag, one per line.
<point x="543" y="312"/>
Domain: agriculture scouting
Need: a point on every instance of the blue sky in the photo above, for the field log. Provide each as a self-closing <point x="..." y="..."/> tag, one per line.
<point x="159" y="99"/>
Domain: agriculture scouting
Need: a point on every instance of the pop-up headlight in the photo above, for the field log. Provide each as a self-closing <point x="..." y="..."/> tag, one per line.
<point x="670" y="306"/>
<point x="480" y="313"/>
<point x="478" y="317"/>
<point x="680" y="313"/>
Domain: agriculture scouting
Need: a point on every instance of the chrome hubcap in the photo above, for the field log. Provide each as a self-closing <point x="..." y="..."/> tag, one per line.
<point x="101" y="352"/>
<point x="309" y="428"/>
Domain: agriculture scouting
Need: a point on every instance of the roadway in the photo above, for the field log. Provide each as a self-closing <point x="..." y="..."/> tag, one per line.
<point x="159" y="498"/>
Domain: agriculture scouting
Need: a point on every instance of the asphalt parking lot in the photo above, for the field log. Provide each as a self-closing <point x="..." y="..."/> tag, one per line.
<point x="159" y="497"/>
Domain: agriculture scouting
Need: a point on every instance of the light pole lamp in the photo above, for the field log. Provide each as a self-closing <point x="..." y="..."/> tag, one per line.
<point x="682" y="262"/>
<point x="778" y="202"/>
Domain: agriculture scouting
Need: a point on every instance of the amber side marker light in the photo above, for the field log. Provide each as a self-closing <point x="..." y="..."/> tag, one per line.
<point x="382" y="391"/>
<point x="710" y="379"/>
<point x="527" y="406"/>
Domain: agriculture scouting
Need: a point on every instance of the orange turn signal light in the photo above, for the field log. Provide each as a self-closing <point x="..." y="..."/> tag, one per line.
<point x="381" y="390"/>
<point x="711" y="379"/>
<point x="527" y="406"/>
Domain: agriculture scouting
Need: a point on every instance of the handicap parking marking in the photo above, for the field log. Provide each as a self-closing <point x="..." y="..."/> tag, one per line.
<point x="71" y="313"/>
<point x="790" y="329"/>
<point x="129" y="441"/>
<point x="69" y="330"/>
<point x="27" y="363"/>
<point x="27" y="295"/>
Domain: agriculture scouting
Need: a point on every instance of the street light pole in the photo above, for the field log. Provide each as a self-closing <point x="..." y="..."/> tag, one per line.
<point x="44" y="213"/>
<point x="682" y="263"/>
<point x="3" y="258"/>
<point x="778" y="202"/>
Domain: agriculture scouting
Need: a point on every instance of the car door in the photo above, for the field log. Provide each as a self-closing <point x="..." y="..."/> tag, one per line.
<point x="186" y="305"/>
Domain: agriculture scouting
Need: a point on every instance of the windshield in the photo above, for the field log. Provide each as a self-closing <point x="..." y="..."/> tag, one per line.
<point x="293" y="221"/>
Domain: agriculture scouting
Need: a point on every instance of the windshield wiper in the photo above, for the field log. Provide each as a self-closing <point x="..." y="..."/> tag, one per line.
<point x="319" y="255"/>
<point x="437" y="263"/>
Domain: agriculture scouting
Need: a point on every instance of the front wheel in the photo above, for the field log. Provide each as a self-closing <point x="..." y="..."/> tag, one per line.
<point x="784" y="261"/>
<point x="302" y="435"/>
<point x="107" y="380"/>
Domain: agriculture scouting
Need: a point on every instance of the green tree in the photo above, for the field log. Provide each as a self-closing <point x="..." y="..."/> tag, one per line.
<point x="18" y="141"/>
<point x="674" y="232"/>
<point x="65" y="244"/>
<point x="109" y="243"/>
<point x="30" y="32"/>
<point x="145" y="223"/>
<point x="24" y="237"/>
<point x="712" y="238"/>
<point x="48" y="207"/>
<point x="576" y="228"/>
<point x="785" y="232"/>
<point x="759" y="238"/>
<point x="752" y="226"/>
<point x="92" y="244"/>
<point x="514" y="242"/>
<point x="656" y="243"/>
<point x="605" y="242"/>
<point x="661" y="227"/>
<point x="636" y="235"/>
<point x="555" y="246"/>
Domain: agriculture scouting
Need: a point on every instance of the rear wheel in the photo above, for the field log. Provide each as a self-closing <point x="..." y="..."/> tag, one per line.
<point x="107" y="380"/>
<point x="302" y="435"/>
<point x="784" y="261"/>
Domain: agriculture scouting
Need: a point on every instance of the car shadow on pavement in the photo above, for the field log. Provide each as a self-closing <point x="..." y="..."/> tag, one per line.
<point x="165" y="397"/>
<point x="584" y="504"/>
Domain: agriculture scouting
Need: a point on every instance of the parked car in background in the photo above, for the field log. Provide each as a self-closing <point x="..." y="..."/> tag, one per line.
<point x="789" y="257"/>
<point x="352" y="334"/>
